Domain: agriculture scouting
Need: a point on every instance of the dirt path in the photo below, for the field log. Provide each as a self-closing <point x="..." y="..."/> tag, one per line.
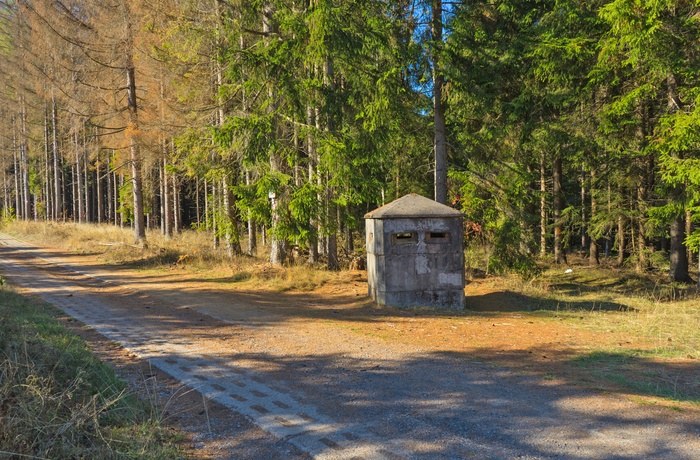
<point x="329" y="376"/>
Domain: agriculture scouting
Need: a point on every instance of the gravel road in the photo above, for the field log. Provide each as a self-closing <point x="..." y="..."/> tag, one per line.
<point x="318" y="389"/>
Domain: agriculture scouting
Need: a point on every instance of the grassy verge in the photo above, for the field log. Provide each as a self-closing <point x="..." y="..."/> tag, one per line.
<point x="190" y="251"/>
<point x="659" y="315"/>
<point x="58" y="401"/>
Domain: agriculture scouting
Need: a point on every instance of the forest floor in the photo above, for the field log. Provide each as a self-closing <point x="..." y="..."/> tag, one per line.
<point x="516" y="373"/>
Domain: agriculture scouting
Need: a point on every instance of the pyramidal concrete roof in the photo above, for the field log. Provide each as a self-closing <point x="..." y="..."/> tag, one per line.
<point x="412" y="206"/>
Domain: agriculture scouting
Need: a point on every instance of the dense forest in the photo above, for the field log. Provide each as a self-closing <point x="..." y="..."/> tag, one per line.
<point x="554" y="125"/>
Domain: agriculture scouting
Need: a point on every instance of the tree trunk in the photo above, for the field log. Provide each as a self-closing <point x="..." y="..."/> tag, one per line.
<point x="58" y="189"/>
<point x="215" y="214"/>
<point x="688" y="231"/>
<point x="134" y="148"/>
<point x="78" y="180"/>
<point x="100" y="192"/>
<point x="440" y="143"/>
<point x="543" y="206"/>
<point x="679" y="259"/>
<point x="120" y="205"/>
<point x="177" y="214"/>
<point x="641" y="227"/>
<point x="559" y="255"/>
<point x="333" y="263"/>
<point x="197" y="199"/>
<point x="207" y="222"/>
<point x="5" y="195"/>
<point x="593" y="242"/>
<point x="311" y="151"/>
<point x="584" y="229"/>
<point x="252" y="235"/>
<point x="233" y="239"/>
<point x="110" y="193"/>
<point x="18" y="174"/>
<point x="167" y="212"/>
<point x="88" y="215"/>
<point x="24" y="158"/>
<point x="278" y="246"/>
<point x="48" y="201"/>
<point x="678" y="253"/>
<point x="331" y="216"/>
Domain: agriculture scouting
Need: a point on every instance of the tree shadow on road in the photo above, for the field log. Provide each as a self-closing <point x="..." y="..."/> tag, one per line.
<point x="453" y="405"/>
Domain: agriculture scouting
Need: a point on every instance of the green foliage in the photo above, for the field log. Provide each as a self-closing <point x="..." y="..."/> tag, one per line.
<point x="508" y="254"/>
<point x="126" y="201"/>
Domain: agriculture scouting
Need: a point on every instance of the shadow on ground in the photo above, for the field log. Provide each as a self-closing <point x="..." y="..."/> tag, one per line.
<point x="452" y="405"/>
<point x="508" y="301"/>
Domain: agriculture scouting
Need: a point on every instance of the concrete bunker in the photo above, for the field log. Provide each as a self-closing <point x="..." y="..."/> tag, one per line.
<point x="415" y="254"/>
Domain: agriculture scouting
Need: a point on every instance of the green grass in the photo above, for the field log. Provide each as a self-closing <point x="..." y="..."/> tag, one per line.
<point x="635" y="372"/>
<point x="58" y="401"/>
<point x="652" y="311"/>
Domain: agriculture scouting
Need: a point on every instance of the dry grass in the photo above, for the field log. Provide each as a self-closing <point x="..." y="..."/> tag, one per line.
<point x="189" y="250"/>
<point x="662" y="315"/>
<point x="58" y="401"/>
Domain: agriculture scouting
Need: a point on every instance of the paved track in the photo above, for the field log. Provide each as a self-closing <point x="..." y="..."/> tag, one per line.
<point x="409" y="406"/>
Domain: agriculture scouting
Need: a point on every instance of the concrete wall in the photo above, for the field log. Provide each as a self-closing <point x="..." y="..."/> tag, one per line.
<point x="416" y="262"/>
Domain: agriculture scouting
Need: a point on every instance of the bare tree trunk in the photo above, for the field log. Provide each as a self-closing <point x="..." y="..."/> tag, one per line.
<point x="593" y="248"/>
<point x="584" y="217"/>
<point x="331" y="219"/>
<point x="543" y="206"/>
<point x="197" y="203"/>
<point x="440" y="143"/>
<point x="559" y="255"/>
<point x="233" y="239"/>
<point x="5" y="195"/>
<point x="122" y="214"/>
<point x="100" y="192"/>
<point x="74" y="205"/>
<point x="77" y="180"/>
<point x="641" y="229"/>
<point x="48" y="201"/>
<point x="88" y="215"/>
<point x="688" y="231"/>
<point x="311" y="150"/>
<point x="134" y="148"/>
<point x="678" y="253"/>
<point x="215" y="214"/>
<point x="252" y="236"/>
<point x="333" y="263"/>
<point x="207" y="223"/>
<point x="278" y="246"/>
<point x="110" y="193"/>
<point x="18" y="174"/>
<point x="58" y="189"/>
<point x="177" y="215"/>
<point x="24" y="158"/>
<point x="349" y="243"/>
<point x="322" y="246"/>
<point x="167" y="212"/>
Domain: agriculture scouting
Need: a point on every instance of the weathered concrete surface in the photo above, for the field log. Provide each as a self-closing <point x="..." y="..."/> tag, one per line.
<point x="415" y="254"/>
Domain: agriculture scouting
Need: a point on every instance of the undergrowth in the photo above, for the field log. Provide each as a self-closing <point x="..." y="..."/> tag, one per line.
<point x="58" y="401"/>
